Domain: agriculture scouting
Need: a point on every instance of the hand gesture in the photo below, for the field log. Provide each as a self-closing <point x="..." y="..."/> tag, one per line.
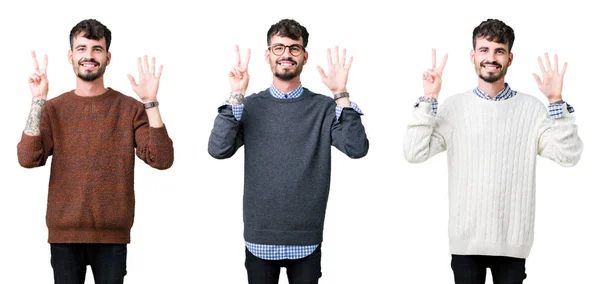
<point x="337" y="76"/>
<point x="38" y="81"/>
<point x="432" y="78"/>
<point x="552" y="80"/>
<point x="147" y="89"/>
<point x="238" y="75"/>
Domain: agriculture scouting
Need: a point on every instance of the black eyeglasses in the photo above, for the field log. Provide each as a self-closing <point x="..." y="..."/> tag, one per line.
<point x="279" y="49"/>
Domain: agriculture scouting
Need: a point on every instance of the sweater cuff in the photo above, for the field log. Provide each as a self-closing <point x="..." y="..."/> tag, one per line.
<point x="159" y="135"/>
<point x="30" y="143"/>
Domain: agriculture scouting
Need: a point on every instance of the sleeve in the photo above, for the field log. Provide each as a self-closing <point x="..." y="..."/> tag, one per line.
<point x="558" y="139"/>
<point x="426" y="134"/>
<point x="348" y="133"/>
<point x="227" y="134"/>
<point x="33" y="151"/>
<point x="153" y="145"/>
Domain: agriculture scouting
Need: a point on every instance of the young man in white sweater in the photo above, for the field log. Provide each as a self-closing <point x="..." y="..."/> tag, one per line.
<point x="492" y="134"/>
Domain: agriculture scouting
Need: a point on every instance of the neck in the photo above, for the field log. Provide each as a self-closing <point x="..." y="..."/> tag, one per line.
<point x="492" y="89"/>
<point x="286" y="86"/>
<point x="90" y="89"/>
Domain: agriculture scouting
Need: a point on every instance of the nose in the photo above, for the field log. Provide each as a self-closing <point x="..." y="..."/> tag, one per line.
<point x="287" y="51"/>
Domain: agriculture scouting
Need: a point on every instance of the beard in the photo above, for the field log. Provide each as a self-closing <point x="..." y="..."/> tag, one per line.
<point x="89" y="76"/>
<point x="491" y="78"/>
<point x="288" y="75"/>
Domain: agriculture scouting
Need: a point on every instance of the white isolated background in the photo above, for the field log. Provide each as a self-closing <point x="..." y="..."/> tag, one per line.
<point x="387" y="219"/>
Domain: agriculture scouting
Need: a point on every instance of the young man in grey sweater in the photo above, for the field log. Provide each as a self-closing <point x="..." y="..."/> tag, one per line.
<point x="287" y="131"/>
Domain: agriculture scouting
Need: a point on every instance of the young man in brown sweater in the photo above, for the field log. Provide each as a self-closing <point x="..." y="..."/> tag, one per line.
<point x="91" y="132"/>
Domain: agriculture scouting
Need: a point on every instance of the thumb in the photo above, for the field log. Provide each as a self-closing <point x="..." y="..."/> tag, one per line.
<point x="323" y="76"/>
<point x="132" y="81"/>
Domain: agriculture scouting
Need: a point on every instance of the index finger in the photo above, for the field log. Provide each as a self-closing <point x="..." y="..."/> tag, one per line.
<point x="433" y="61"/>
<point x="35" y="63"/>
<point x="237" y="55"/>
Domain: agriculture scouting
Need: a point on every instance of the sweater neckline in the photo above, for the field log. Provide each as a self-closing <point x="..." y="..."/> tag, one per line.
<point x="480" y="100"/>
<point x="109" y="92"/>
<point x="305" y="93"/>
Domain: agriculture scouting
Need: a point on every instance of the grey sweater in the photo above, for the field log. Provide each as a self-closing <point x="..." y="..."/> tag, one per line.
<point x="287" y="161"/>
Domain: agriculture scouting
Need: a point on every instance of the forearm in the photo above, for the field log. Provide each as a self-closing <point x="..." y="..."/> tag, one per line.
<point x="226" y="136"/>
<point x="560" y="140"/>
<point x="32" y="127"/>
<point x="154" y="118"/>
<point x="421" y="141"/>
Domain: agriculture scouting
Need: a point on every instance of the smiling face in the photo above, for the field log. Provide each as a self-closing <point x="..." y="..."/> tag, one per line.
<point x="89" y="57"/>
<point x="491" y="59"/>
<point x="288" y="65"/>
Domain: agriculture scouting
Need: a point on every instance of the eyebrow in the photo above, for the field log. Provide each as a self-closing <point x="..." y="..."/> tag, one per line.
<point x="94" y="46"/>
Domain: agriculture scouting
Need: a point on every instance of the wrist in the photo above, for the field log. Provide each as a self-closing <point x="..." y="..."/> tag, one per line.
<point x="433" y="96"/>
<point x="555" y="100"/>
<point x="343" y="102"/>
<point x="150" y="104"/>
<point x="236" y="98"/>
<point x="339" y="95"/>
<point x="148" y="100"/>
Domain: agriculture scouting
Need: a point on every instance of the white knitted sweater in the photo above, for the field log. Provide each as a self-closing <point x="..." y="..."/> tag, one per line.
<point x="492" y="148"/>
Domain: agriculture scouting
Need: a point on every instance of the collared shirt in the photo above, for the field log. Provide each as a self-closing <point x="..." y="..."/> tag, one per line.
<point x="237" y="109"/>
<point x="555" y="110"/>
<point x="278" y="252"/>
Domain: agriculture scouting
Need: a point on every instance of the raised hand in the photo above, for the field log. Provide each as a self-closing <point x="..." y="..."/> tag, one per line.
<point x="552" y="80"/>
<point x="238" y="75"/>
<point x="38" y="81"/>
<point x="147" y="89"/>
<point x="337" y="75"/>
<point x="432" y="78"/>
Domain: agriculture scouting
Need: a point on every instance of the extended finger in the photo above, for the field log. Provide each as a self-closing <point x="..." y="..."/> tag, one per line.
<point x="159" y="71"/>
<point x="237" y="55"/>
<point x="336" y="58"/>
<point x="542" y="68"/>
<point x="350" y="62"/>
<point x="343" y="58"/>
<point x="152" y="66"/>
<point x="45" y="63"/>
<point x="537" y="79"/>
<point x="433" y="58"/>
<point x="140" y="70"/>
<point x="548" y="61"/>
<point x="35" y="63"/>
<point x="322" y="72"/>
<point x="146" y="63"/>
<point x="562" y="75"/>
<point x="246" y="60"/>
<point x="132" y="80"/>
<point x="443" y="63"/>
<point x="329" y="61"/>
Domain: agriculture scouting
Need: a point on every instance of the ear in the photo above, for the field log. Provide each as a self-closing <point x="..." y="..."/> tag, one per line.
<point x="510" y="59"/>
<point x="267" y="55"/>
<point x="472" y="56"/>
<point x="305" y="57"/>
<point x="70" y="56"/>
<point x="108" y="55"/>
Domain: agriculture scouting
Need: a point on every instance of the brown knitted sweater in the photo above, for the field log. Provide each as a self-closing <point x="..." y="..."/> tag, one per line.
<point x="92" y="141"/>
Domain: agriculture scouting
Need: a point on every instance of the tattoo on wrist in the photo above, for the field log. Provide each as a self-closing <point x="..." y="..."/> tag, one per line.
<point x="32" y="127"/>
<point x="236" y="98"/>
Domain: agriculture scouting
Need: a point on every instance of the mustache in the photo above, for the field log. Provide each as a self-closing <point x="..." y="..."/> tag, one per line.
<point x="90" y="60"/>
<point x="495" y="63"/>
<point x="287" y="59"/>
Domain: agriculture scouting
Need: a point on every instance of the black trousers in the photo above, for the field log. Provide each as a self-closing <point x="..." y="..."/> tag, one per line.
<point x="471" y="269"/>
<point x="69" y="262"/>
